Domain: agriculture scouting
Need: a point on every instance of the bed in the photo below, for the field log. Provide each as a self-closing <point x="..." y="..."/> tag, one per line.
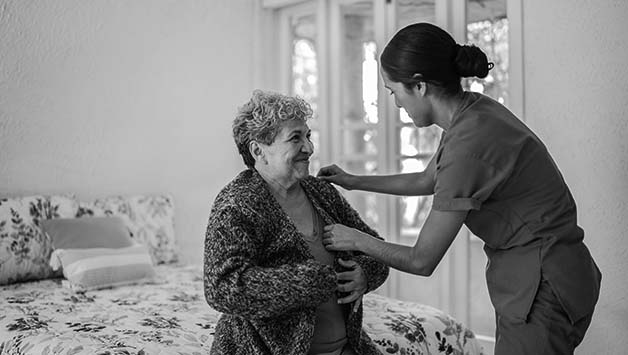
<point x="166" y="315"/>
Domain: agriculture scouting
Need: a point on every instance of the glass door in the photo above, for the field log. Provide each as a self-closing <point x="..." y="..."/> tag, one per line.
<point x="356" y="128"/>
<point x="332" y="49"/>
<point x="487" y="26"/>
<point x="305" y="73"/>
<point x="411" y="152"/>
<point x="372" y="136"/>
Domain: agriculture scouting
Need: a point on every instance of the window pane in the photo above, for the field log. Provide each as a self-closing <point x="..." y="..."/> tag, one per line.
<point x="370" y="74"/>
<point x="411" y="11"/>
<point x="487" y="27"/>
<point x="413" y="141"/>
<point x="413" y="209"/>
<point x="359" y="141"/>
<point x="304" y="63"/>
<point x="305" y="74"/>
<point x="412" y="214"/>
<point x="361" y="167"/>
<point x="364" y="203"/>
<point x="358" y="102"/>
<point x="359" y="64"/>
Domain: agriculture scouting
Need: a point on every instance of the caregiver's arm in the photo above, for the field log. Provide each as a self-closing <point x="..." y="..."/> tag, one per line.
<point x="410" y="184"/>
<point x="438" y="232"/>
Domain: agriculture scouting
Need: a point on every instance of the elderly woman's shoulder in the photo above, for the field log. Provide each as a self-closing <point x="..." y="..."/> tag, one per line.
<point x="321" y="186"/>
<point x="243" y="190"/>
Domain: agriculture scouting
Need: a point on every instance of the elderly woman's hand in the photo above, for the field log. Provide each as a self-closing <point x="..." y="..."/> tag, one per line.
<point x="351" y="281"/>
<point x="334" y="174"/>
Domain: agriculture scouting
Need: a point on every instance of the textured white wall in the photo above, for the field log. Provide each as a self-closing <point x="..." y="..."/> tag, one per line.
<point x="576" y="72"/>
<point x="124" y="97"/>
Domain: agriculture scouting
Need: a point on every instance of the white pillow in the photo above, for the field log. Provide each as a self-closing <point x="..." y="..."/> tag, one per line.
<point x="97" y="268"/>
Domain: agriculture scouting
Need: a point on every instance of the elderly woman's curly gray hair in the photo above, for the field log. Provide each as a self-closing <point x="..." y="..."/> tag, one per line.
<point x="262" y="117"/>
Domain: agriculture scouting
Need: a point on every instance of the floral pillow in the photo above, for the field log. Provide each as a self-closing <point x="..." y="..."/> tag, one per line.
<point x="24" y="249"/>
<point x="150" y="220"/>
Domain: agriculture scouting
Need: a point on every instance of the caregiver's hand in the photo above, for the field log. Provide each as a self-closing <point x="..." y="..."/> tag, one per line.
<point x="352" y="281"/>
<point x="334" y="174"/>
<point x="338" y="237"/>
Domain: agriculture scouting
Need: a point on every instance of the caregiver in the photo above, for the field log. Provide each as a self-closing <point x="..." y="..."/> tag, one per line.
<point x="493" y="174"/>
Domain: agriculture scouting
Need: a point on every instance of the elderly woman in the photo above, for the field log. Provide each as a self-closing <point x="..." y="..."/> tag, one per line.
<point x="266" y="269"/>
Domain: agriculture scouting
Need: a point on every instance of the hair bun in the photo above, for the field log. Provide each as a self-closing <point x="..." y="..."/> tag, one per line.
<point x="471" y="61"/>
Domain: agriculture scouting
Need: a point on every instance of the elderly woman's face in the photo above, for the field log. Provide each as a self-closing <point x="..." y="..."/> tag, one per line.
<point x="288" y="157"/>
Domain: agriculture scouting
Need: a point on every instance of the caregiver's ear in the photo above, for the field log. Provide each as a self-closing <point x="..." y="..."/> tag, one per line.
<point x="420" y="85"/>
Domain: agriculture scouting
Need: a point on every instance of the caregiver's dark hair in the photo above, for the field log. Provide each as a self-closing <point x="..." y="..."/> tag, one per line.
<point x="428" y="50"/>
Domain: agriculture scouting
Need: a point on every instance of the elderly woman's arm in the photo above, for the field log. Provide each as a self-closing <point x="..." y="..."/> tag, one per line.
<point x="235" y="284"/>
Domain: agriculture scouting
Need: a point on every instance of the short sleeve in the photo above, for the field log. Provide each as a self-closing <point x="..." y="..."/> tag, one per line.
<point x="464" y="182"/>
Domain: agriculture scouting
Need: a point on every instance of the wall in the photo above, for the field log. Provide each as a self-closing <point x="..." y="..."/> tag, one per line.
<point x="124" y="97"/>
<point x="576" y="80"/>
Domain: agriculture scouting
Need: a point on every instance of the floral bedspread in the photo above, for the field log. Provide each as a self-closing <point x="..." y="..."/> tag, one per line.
<point x="172" y="317"/>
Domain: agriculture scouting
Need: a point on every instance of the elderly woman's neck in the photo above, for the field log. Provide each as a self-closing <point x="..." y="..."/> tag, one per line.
<point x="282" y="189"/>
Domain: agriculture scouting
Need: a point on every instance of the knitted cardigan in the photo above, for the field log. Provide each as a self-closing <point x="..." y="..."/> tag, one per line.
<point x="261" y="275"/>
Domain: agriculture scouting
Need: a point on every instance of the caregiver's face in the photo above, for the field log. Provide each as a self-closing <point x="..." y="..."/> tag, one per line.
<point x="408" y="100"/>
<point x="288" y="156"/>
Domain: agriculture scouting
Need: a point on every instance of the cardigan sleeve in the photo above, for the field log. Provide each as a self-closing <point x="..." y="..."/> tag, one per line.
<point x="235" y="284"/>
<point x="375" y="271"/>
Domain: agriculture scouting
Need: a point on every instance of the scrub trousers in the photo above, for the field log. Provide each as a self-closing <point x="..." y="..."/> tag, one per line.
<point x="546" y="331"/>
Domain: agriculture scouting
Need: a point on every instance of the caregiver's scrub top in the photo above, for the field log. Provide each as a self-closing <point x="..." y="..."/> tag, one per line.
<point x="491" y="164"/>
